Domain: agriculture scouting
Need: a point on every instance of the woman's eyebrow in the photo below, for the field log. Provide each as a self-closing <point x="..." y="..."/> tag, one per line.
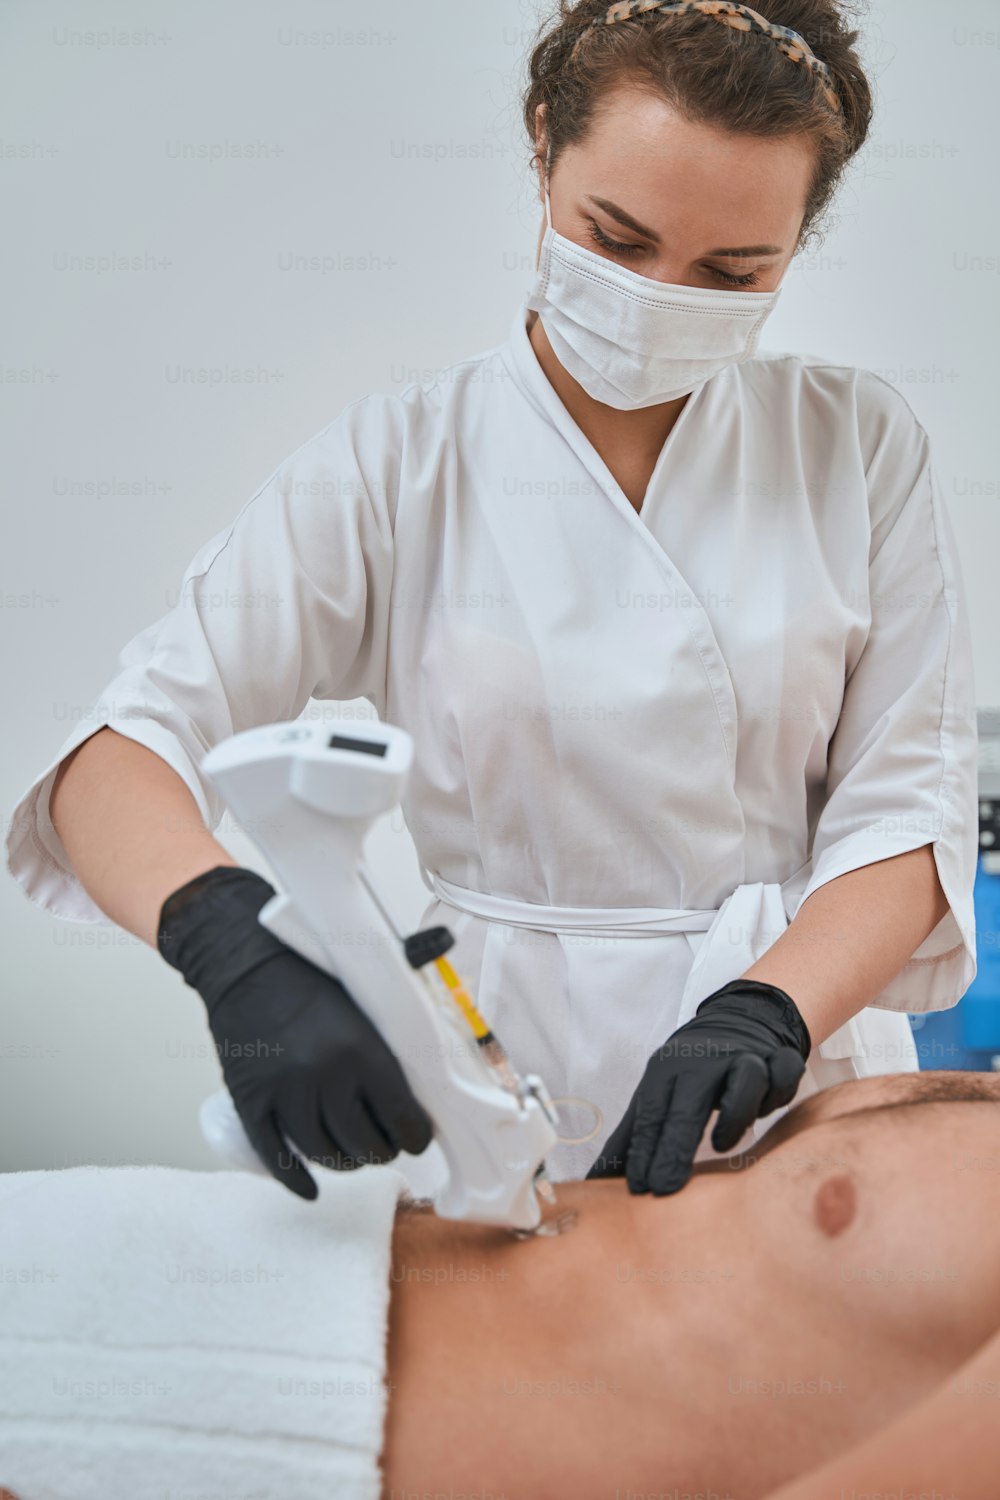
<point x="623" y="218"/>
<point x="749" y="250"/>
<point x="627" y="221"/>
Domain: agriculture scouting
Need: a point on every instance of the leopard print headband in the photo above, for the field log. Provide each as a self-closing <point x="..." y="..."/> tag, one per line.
<point x="741" y="17"/>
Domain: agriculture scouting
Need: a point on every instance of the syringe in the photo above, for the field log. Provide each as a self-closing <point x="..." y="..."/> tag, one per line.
<point x="430" y="946"/>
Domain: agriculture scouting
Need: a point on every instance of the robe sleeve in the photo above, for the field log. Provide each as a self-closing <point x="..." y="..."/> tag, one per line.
<point x="287" y="602"/>
<point x="902" y="761"/>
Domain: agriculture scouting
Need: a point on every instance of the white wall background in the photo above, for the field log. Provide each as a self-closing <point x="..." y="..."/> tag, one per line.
<point x="390" y="132"/>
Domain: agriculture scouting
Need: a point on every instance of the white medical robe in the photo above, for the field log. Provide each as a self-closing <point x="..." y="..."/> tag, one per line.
<point x="642" y="739"/>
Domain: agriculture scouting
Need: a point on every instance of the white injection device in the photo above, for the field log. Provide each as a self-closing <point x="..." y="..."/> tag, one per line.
<point x="307" y="796"/>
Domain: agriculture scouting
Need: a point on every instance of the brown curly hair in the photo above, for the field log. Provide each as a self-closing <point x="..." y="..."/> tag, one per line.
<point x="712" y="74"/>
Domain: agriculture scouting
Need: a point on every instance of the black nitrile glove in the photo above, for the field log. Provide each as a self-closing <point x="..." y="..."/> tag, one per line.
<point x="742" y="1053"/>
<point x="297" y="1054"/>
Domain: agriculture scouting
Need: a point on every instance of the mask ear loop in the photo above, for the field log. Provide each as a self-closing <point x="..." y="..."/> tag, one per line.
<point x="548" y="159"/>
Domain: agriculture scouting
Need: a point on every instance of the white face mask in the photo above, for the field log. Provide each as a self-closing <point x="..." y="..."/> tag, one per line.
<point x="631" y="341"/>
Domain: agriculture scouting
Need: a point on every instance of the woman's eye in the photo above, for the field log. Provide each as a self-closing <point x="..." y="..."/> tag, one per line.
<point x="750" y="279"/>
<point x="620" y="248"/>
<point x="599" y="237"/>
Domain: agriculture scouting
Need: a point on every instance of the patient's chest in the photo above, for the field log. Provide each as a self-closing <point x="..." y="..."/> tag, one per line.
<point x="753" y="1327"/>
<point x="883" y="1224"/>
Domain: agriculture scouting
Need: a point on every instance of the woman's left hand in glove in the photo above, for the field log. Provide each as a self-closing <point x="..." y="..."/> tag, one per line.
<point x="743" y="1053"/>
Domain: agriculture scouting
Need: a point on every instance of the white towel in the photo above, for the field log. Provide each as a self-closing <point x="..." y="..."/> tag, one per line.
<point x="169" y="1334"/>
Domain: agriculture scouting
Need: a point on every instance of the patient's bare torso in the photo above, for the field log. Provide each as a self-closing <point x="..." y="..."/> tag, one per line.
<point x="721" y="1340"/>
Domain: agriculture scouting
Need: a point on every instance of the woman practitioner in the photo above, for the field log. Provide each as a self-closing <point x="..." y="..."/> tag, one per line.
<point x="677" y="628"/>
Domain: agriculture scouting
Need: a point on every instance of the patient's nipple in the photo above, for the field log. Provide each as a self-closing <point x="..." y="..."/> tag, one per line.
<point x="834" y="1204"/>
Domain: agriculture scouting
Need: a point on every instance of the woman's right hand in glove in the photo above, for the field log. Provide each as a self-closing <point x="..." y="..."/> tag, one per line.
<point x="299" y="1057"/>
